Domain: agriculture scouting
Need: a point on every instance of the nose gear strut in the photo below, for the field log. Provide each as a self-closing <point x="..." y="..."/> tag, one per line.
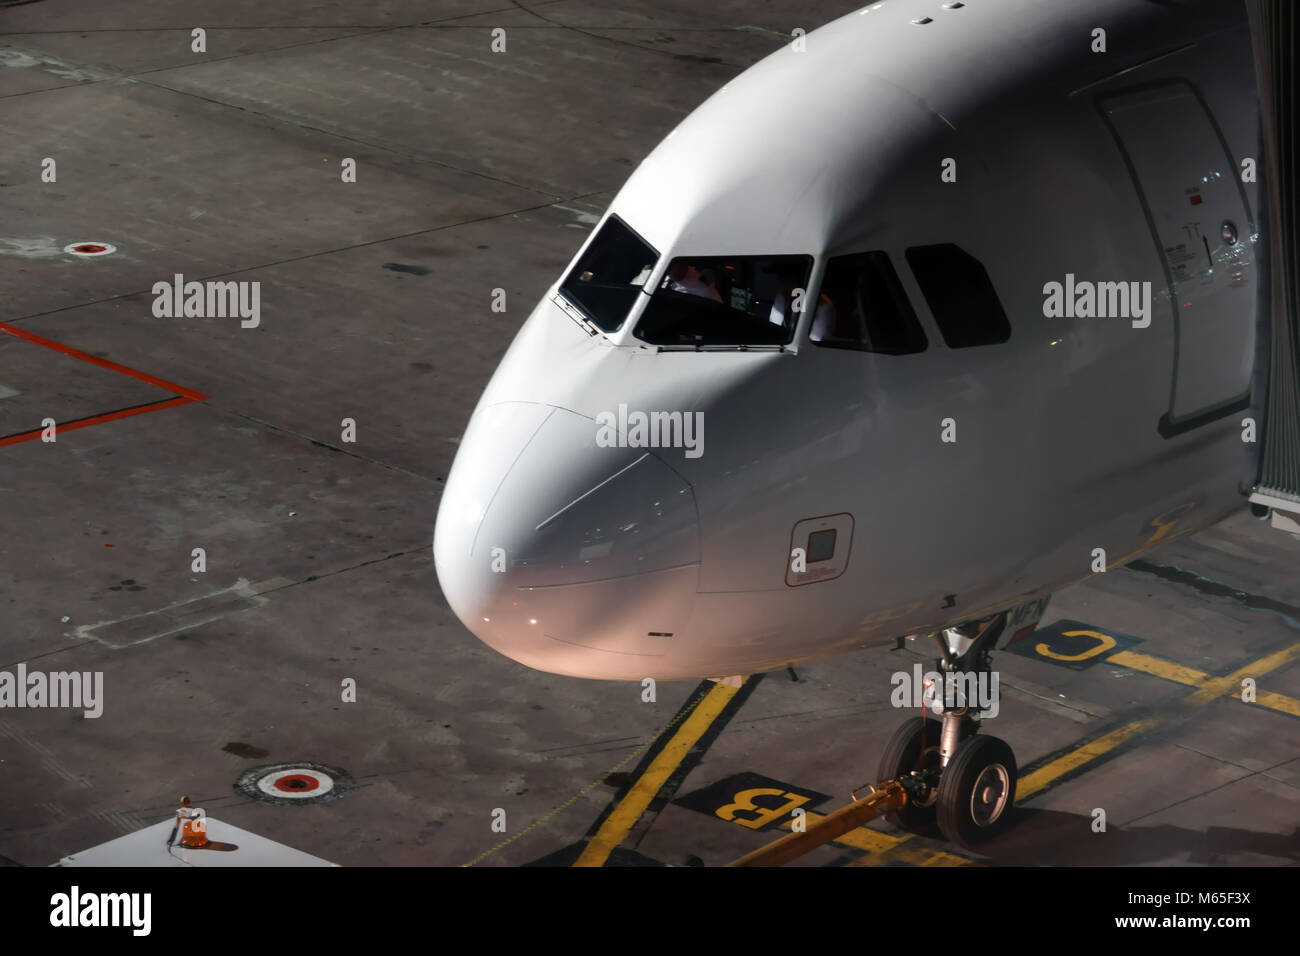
<point x="938" y="776"/>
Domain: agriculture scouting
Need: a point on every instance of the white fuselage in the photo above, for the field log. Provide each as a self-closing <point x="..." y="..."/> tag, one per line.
<point x="580" y="557"/>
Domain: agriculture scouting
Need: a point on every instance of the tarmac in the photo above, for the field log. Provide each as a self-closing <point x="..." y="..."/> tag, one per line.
<point x="475" y="171"/>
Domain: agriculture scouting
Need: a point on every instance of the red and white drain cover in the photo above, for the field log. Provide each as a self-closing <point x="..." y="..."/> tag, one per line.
<point x="89" y="248"/>
<point x="297" y="783"/>
<point x="293" y="783"/>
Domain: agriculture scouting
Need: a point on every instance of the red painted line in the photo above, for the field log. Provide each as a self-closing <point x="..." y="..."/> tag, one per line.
<point x="97" y="419"/>
<point x="189" y="393"/>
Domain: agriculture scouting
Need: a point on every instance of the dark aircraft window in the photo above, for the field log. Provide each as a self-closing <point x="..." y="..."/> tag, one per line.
<point x="960" y="295"/>
<point x="863" y="306"/>
<point x="607" y="278"/>
<point x="821" y="545"/>
<point x="720" y="300"/>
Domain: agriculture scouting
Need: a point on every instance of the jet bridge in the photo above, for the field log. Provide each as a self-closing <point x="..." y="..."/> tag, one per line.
<point x="1273" y="26"/>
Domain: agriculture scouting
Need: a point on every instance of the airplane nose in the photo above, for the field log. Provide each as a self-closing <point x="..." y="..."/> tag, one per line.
<point x="560" y="553"/>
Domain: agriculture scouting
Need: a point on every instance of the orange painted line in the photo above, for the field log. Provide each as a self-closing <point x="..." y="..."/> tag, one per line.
<point x="189" y="393"/>
<point x="97" y="419"/>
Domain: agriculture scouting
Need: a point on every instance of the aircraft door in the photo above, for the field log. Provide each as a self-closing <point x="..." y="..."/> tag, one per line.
<point x="1197" y="210"/>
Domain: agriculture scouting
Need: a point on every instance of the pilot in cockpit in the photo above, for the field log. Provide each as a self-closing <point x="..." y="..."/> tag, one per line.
<point x="683" y="277"/>
<point x="790" y="295"/>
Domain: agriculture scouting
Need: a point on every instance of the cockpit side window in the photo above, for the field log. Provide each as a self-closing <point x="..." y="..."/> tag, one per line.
<point x="863" y="306"/>
<point x="960" y="295"/>
<point x="606" y="279"/>
<point x="727" y="301"/>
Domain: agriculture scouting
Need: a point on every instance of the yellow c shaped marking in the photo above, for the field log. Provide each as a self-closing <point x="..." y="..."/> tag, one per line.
<point x="1104" y="643"/>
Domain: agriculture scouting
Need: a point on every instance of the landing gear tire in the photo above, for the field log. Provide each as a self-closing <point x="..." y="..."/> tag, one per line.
<point x="905" y="753"/>
<point x="977" y="791"/>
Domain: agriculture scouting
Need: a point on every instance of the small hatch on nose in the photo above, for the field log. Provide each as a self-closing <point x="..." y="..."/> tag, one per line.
<point x="819" y="549"/>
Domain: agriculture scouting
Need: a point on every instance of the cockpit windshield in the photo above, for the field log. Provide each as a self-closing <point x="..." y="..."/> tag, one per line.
<point x="726" y="300"/>
<point x="605" y="282"/>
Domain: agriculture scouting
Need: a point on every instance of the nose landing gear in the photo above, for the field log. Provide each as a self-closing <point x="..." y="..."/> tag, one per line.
<point x="976" y="791"/>
<point x="958" y="782"/>
<point x="937" y="776"/>
<point x="912" y="758"/>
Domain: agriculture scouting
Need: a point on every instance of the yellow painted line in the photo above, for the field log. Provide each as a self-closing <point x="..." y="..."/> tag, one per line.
<point x="1231" y="683"/>
<point x="881" y="844"/>
<point x="1159" y="668"/>
<point x="863" y="839"/>
<point x="1089" y="752"/>
<point x="620" y="822"/>
<point x="915" y="857"/>
<point x="883" y="848"/>
<point x="1273" y="701"/>
<point x="1207" y="689"/>
<point x="1229" y="686"/>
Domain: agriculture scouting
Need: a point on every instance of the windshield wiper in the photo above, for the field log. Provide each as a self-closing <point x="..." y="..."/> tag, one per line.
<point x="573" y="312"/>
<point x="760" y="347"/>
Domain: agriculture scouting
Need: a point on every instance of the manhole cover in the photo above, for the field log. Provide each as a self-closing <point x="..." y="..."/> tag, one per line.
<point x="89" y="248"/>
<point x="294" y="783"/>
